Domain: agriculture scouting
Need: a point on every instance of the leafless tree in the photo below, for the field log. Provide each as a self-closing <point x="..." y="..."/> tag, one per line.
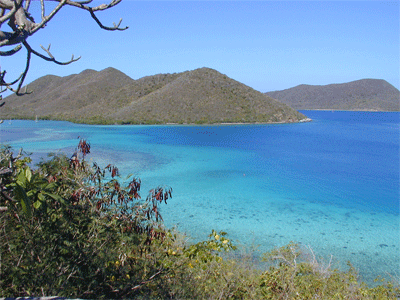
<point x="15" y="13"/>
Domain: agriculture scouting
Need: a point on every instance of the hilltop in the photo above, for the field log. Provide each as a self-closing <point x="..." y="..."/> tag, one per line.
<point x="109" y="96"/>
<point x="364" y="94"/>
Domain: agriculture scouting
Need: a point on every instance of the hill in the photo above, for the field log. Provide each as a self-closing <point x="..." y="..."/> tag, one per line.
<point x="364" y="94"/>
<point x="109" y="96"/>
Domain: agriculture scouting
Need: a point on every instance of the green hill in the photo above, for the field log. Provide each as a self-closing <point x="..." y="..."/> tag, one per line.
<point x="364" y="94"/>
<point x="109" y="96"/>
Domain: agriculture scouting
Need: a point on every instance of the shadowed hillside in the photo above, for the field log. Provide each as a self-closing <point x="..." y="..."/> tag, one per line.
<point x="365" y="94"/>
<point x="109" y="96"/>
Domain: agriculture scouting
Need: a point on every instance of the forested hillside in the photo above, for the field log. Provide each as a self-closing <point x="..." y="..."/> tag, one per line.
<point x="109" y="96"/>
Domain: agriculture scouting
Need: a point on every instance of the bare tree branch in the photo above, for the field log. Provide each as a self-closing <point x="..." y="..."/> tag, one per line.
<point x="84" y="2"/>
<point x="51" y="57"/>
<point x="30" y="51"/>
<point x="9" y="14"/>
<point x="16" y="14"/>
<point x="45" y="20"/>
<point x="23" y="75"/>
<point x="116" y="26"/>
<point x="27" y="4"/>
<point x="4" y="83"/>
<point x="11" y="52"/>
<point x="80" y="4"/>
<point x="42" y="8"/>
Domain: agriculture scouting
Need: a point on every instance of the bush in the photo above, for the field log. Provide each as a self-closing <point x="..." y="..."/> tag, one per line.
<point x="65" y="230"/>
<point x="293" y="277"/>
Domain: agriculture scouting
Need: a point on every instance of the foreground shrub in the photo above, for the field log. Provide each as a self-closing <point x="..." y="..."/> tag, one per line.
<point x="291" y="276"/>
<point x="67" y="231"/>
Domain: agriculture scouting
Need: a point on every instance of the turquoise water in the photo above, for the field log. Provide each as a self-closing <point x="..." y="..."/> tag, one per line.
<point x="332" y="184"/>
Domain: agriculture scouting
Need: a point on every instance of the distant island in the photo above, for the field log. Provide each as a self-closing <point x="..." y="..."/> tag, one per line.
<point x="201" y="96"/>
<point x="363" y="95"/>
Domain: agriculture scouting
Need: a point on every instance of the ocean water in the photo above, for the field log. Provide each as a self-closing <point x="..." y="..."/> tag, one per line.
<point x="331" y="184"/>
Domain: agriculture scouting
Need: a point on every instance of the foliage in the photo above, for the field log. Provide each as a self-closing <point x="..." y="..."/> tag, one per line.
<point x="66" y="228"/>
<point x="295" y="278"/>
<point x="70" y="229"/>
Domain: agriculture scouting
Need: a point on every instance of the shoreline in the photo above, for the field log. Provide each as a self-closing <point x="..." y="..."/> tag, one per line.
<point x="352" y="110"/>
<point x="305" y="120"/>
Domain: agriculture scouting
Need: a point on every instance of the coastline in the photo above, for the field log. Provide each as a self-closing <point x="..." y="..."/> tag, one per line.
<point x="350" y="110"/>
<point x="304" y="120"/>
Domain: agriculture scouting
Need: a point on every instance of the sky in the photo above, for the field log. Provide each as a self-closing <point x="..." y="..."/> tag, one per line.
<point x="267" y="45"/>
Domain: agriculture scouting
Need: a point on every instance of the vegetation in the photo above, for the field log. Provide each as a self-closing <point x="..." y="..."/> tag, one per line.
<point x="365" y="94"/>
<point x="202" y="96"/>
<point x="70" y="229"/>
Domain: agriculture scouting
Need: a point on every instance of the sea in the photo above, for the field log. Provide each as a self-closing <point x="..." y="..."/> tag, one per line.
<point x="330" y="185"/>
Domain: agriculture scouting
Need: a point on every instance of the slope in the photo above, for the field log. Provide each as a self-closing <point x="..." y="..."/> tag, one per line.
<point x="364" y="94"/>
<point x="109" y="96"/>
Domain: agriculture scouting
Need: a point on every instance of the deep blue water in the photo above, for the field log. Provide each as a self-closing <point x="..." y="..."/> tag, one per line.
<point x="332" y="183"/>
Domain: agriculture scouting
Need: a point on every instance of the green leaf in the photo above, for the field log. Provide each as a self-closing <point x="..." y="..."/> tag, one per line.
<point x="55" y="197"/>
<point x="51" y="186"/>
<point x="53" y="217"/>
<point x="21" y="179"/>
<point x="28" y="174"/>
<point x="31" y="193"/>
<point x="41" y="197"/>
<point x="37" y="204"/>
<point x="21" y="196"/>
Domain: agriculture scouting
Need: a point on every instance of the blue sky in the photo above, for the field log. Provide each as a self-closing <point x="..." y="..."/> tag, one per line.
<point x="268" y="45"/>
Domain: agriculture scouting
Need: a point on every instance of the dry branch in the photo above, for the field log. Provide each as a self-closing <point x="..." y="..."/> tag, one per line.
<point x="22" y="25"/>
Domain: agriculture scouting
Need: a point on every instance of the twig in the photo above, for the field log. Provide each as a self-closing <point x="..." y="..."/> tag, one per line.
<point x="116" y="26"/>
<point x="140" y="285"/>
<point x="11" y="52"/>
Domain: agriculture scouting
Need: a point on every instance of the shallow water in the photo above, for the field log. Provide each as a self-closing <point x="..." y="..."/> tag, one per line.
<point x="332" y="183"/>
